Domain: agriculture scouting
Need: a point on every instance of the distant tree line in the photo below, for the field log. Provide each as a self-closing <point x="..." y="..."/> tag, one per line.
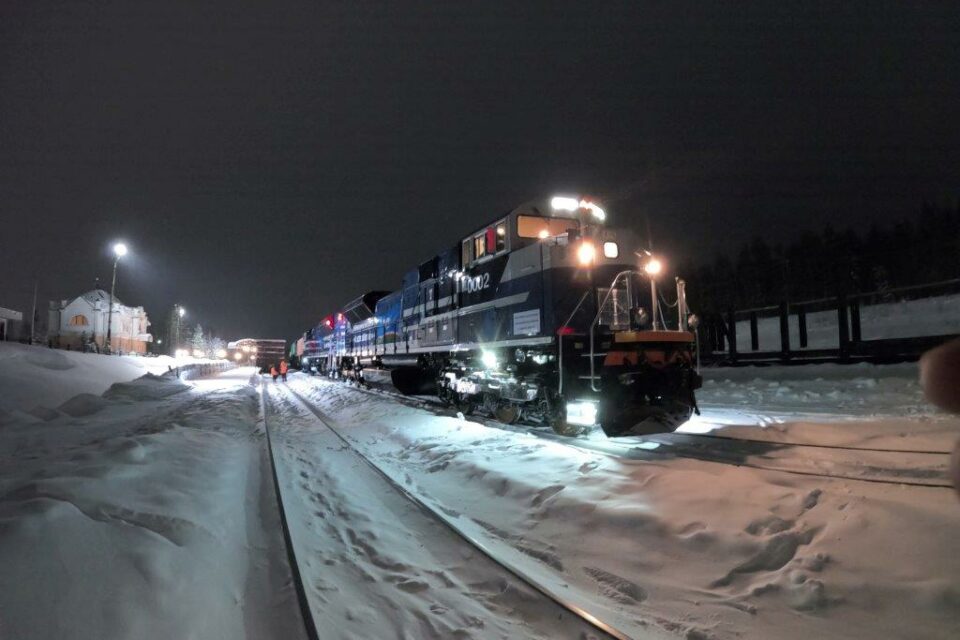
<point x="923" y="250"/>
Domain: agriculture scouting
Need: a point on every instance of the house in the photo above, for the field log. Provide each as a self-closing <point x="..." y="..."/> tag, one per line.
<point x="10" y="324"/>
<point x="75" y="322"/>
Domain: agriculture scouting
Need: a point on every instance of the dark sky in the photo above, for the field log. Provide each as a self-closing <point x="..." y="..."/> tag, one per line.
<point x="267" y="161"/>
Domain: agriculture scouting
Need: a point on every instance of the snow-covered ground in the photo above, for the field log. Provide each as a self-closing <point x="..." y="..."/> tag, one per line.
<point x="903" y="319"/>
<point x="678" y="547"/>
<point x="149" y="512"/>
<point x="146" y="516"/>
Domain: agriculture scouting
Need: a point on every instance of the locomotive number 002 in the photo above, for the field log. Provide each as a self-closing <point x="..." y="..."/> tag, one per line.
<point x="472" y="284"/>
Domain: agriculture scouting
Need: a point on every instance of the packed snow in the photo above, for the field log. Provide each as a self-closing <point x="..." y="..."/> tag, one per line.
<point x="144" y="507"/>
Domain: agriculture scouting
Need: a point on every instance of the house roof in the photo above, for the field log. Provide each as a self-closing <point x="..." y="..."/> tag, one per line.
<point x="96" y="295"/>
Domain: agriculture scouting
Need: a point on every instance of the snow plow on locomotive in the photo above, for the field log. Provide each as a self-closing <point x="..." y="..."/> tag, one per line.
<point x="545" y="316"/>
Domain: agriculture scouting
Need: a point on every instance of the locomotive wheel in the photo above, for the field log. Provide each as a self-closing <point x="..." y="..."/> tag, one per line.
<point x="564" y="428"/>
<point x="508" y="413"/>
<point x="465" y="405"/>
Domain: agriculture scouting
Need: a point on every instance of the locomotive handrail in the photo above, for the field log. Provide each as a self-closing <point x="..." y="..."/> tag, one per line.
<point x="596" y="318"/>
<point x="560" y="339"/>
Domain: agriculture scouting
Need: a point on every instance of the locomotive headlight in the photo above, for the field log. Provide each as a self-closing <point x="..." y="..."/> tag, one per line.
<point x="653" y="266"/>
<point x="489" y="359"/>
<point x="583" y="413"/>
<point x="587" y="253"/>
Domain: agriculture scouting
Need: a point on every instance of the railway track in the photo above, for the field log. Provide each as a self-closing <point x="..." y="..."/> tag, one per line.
<point x="864" y="464"/>
<point x="606" y="630"/>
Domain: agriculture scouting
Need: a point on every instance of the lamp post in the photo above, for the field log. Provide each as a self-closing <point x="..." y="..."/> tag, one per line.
<point x="180" y="311"/>
<point x="119" y="250"/>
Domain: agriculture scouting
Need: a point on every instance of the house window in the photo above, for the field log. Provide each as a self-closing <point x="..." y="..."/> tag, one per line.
<point x="79" y="320"/>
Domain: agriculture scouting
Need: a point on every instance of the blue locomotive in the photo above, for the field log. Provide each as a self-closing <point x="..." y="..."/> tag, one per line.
<point x="543" y="315"/>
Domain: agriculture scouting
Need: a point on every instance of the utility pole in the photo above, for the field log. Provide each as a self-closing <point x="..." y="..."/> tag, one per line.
<point x="33" y="314"/>
<point x="119" y="250"/>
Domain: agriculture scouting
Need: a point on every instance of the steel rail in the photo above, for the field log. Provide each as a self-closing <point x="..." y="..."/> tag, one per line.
<point x="306" y="614"/>
<point x="551" y="594"/>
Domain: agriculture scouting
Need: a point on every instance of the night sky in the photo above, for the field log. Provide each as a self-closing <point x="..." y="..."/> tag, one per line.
<point x="268" y="161"/>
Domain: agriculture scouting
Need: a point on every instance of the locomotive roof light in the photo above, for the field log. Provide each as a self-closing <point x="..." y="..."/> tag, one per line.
<point x="586" y="253"/>
<point x="596" y="211"/>
<point x="562" y="203"/>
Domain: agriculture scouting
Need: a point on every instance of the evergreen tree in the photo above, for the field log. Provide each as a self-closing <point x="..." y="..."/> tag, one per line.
<point x="198" y="341"/>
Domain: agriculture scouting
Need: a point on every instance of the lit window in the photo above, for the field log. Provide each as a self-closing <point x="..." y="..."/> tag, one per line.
<point x="79" y="321"/>
<point x="534" y="226"/>
<point x="479" y="246"/>
<point x="611" y="250"/>
<point x="465" y="257"/>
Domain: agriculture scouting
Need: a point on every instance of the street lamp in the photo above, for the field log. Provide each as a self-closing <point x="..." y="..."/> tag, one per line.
<point x="180" y="312"/>
<point x="119" y="250"/>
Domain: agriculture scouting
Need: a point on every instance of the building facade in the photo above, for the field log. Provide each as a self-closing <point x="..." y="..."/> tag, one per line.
<point x="83" y="321"/>
<point x="10" y="324"/>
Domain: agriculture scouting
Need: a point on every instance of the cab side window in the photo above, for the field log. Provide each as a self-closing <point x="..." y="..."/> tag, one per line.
<point x="479" y="246"/>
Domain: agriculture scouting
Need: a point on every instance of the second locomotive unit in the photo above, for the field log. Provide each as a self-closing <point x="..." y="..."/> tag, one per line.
<point x="542" y="315"/>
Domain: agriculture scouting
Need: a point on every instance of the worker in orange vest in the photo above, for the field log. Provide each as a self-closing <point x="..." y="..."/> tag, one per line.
<point x="283" y="369"/>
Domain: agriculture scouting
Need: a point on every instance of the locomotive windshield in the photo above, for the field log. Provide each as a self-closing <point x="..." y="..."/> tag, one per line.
<point x="541" y="227"/>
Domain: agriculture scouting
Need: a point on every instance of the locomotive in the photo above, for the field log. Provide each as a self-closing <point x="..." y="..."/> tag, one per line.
<point x="544" y="315"/>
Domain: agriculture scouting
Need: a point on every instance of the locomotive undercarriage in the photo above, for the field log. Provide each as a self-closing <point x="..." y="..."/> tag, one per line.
<point x="643" y="391"/>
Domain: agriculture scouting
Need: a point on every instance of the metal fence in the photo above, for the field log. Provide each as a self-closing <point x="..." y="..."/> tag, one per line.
<point x="782" y="333"/>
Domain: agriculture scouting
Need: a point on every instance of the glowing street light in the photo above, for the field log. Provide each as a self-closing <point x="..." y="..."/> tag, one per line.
<point x="179" y="312"/>
<point x="119" y="250"/>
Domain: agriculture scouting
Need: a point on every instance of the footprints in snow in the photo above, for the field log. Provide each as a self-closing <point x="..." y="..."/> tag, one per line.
<point x="778" y="557"/>
<point x="615" y="587"/>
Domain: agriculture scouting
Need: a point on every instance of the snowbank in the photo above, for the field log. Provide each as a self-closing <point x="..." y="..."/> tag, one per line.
<point x="36" y="379"/>
<point x="146" y="516"/>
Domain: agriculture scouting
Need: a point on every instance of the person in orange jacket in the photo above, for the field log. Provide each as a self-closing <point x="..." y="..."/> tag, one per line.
<point x="273" y="372"/>
<point x="283" y="369"/>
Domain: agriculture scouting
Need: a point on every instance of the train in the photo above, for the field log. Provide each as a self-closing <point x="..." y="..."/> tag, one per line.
<point x="545" y="315"/>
